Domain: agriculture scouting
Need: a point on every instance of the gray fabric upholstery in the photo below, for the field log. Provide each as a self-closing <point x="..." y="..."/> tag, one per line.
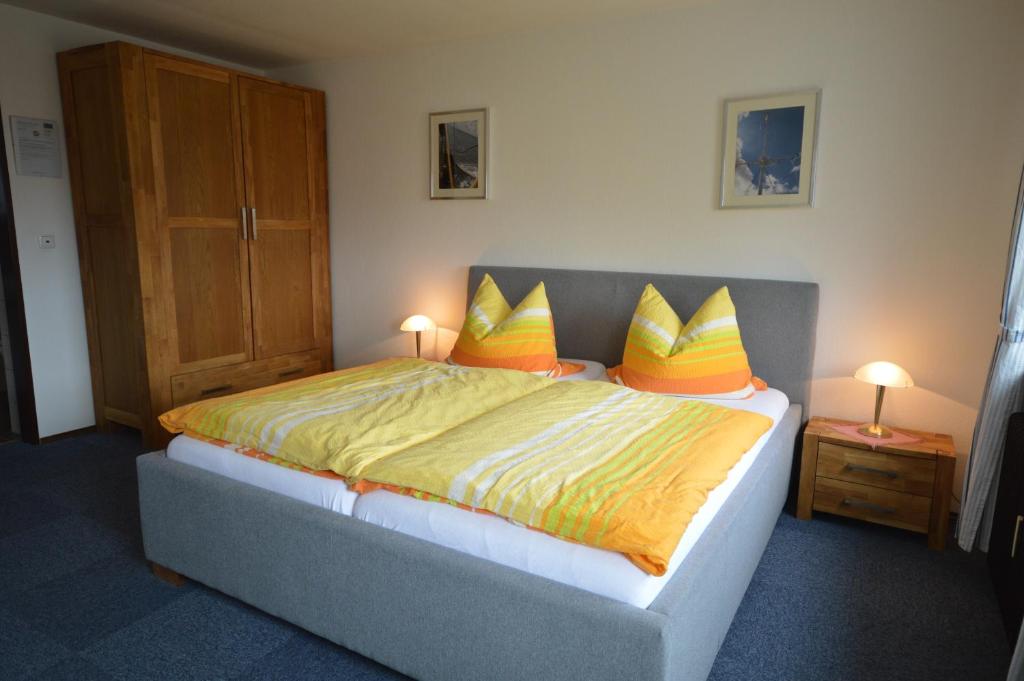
<point x="419" y="608"/>
<point x="592" y="310"/>
<point x="437" y="614"/>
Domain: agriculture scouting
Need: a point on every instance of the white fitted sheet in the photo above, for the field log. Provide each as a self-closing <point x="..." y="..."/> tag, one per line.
<point x="606" y="573"/>
<point x="327" y="493"/>
<point x="592" y="371"/>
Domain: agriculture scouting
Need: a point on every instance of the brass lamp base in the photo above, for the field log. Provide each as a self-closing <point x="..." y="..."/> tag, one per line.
<point x="874" y="430"/>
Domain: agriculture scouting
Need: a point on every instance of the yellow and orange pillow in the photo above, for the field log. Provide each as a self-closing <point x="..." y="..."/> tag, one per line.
<point x="703" y="358"/>
<point x="497" y="336"/>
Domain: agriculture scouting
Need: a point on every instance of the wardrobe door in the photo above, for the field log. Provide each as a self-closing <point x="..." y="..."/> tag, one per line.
<point x="283" y="149"/>
<point x="196" y="142"/>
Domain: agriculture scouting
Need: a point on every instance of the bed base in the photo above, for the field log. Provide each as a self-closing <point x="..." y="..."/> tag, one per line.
<point x="166" y="574"/>
<point x="437" y="614"/>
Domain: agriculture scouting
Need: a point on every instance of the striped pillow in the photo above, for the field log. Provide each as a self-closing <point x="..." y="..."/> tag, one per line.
<point x="704" y="358"/>
<point x="496" y="336"/>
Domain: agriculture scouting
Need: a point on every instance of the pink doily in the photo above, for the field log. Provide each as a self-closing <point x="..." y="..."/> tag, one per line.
<point x="897" y="438"/>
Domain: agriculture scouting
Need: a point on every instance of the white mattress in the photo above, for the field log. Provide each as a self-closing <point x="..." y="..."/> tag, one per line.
<point x="327" y="493"/>
<point x="602" y="572"/>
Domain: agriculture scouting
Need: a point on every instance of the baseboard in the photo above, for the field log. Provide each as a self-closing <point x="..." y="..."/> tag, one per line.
<point x="63" y="436"/>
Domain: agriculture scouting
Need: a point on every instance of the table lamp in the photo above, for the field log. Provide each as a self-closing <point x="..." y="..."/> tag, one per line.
<point x="883" y="375"/>
<point x="418" y="323"/>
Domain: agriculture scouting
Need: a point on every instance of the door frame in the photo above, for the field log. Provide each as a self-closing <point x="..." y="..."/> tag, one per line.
<point x="15" y="299"/>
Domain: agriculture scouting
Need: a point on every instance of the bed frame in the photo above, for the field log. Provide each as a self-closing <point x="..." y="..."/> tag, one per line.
<point x="437" y="614"/>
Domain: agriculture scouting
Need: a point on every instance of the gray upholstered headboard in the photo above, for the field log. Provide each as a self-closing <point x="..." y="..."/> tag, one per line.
<point x="592" y="310"/>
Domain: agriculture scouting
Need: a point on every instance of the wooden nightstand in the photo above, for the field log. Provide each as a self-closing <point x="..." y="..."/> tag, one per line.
<point x="902" y="485"/>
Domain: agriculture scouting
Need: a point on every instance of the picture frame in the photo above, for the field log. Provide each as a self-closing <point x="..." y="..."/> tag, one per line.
<point x="769" y="150"/>
<point x="459" y="154"/>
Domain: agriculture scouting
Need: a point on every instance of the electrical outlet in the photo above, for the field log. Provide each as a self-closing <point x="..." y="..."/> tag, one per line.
<point x="47" y="241"/>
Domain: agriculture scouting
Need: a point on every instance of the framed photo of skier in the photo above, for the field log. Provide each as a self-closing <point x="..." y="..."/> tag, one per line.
<point x="768" y="150"/>
<point x="458" y="154"/>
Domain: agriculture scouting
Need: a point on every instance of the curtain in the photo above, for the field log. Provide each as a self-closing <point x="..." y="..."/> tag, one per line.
<point x="1004" y="394"/>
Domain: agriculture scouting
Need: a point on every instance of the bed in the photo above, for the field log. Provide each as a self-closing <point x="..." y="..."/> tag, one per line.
<point x="433" y="612"/>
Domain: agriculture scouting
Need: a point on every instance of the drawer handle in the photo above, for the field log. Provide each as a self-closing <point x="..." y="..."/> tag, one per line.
<point x="892" y="475"/>
<point x="868" y="506"/>
<point x="1016" y="536"/>
<point x="215" y="389"/>
<point x="290" y="372"/>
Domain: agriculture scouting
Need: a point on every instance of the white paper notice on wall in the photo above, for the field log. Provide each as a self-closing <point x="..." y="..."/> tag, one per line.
<point x="36" y="146"/>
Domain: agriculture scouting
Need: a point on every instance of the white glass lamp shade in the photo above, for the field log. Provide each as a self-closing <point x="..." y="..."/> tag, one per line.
<point x="884" y="373"/>
<point x="417" y="322"/>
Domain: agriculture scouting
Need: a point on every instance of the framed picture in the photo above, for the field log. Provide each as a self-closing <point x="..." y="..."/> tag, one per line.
<point x="458" y="154"/>
<point x="768" y="150"/>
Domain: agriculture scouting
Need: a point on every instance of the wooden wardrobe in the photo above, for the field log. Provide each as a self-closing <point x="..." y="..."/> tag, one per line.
<point x="201" y="213"/>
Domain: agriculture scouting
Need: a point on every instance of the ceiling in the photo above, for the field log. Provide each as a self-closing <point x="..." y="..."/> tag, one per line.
<point x="272" y="33"/>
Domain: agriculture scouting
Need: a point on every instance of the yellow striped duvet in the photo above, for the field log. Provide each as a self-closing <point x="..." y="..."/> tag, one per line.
<point x="589" y="462"/>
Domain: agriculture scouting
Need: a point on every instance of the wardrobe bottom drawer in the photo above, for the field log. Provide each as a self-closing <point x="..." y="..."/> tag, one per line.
<point x="201" y="385"/>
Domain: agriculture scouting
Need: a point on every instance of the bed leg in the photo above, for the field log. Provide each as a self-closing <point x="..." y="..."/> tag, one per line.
<point x="167" y="574"/>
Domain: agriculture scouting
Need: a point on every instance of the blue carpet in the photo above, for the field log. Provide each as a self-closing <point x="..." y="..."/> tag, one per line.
<point x="831" y="600"/>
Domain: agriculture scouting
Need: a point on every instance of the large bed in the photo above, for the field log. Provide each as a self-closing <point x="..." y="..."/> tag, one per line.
<point x="396" y="579"/>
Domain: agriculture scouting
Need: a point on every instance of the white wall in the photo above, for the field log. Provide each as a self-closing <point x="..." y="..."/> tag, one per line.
<point x="29" y="43"/>
<point x="606" y="154"/>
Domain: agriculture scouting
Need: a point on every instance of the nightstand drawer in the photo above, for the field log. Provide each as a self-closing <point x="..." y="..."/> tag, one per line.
<point x="898" y="509"/>
<point x="877" y="469"/>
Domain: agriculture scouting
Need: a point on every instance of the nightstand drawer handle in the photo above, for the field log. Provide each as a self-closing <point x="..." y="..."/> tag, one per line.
<point x="868" y="506"/>
<point x="868" y="469"/>
<point x="290" y="372"/>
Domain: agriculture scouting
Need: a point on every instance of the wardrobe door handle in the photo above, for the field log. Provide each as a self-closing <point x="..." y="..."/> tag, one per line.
<point x="253" y="209"/>
<point x="245" y="225"/>
<point x="215" y="389"/>
<point x="1016" y="536"/>
<point x="868" y="506"/>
